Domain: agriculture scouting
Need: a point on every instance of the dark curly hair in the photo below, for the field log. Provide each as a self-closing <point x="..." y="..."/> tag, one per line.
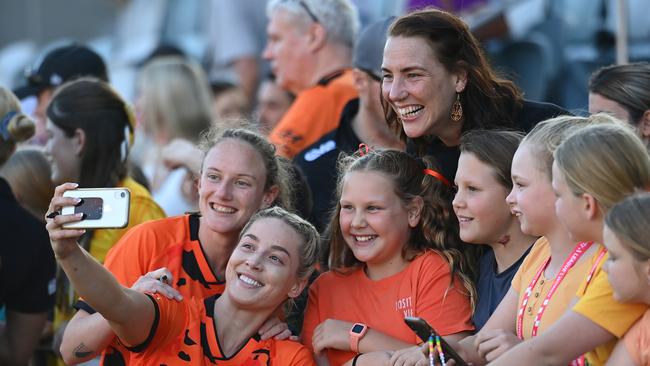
<point x="488" y="100"/>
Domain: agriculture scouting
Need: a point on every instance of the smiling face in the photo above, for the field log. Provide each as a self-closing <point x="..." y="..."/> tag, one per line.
<point x="231" y="186"/>
<point x="261" y="272"/>
<point x="480" y="202"/>
<point x="532" y="198"/>
<point x="627" y="275"/>
<point x="374" y="221"/>
<point x="63" y="154"/>
<point x="418" y="87"/>
<point x="287" y="49"/>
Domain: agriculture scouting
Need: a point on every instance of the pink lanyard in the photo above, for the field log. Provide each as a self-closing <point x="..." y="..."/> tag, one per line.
<point x="579" y="250"/>
<point x="582" y="361"/>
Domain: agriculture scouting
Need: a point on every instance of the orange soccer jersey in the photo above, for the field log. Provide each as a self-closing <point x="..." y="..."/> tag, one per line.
<point x="184" y="333"/>
<point x="315" y="112"/>
<point x="172" y="243"/>
<point x="424" y="289"/>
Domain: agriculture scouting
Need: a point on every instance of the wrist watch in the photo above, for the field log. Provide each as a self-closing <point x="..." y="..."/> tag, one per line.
<point x="357" y="332"/>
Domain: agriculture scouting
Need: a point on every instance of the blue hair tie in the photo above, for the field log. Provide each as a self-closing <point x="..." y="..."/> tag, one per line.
<point x="4" y="125"/>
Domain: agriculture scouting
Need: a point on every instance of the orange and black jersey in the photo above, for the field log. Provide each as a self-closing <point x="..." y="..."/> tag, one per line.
<point x="172" y="243"/>
<point x="185" y="333"/>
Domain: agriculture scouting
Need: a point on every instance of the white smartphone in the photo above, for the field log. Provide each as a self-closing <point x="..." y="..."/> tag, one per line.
<point x="105" y="208"/>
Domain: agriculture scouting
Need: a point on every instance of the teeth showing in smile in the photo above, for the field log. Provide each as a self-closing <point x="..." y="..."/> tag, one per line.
<point x="249" y="281"/>
<point x="365" y="237"/>
<point x="222" y="209"/>
<point x="410" y="111"/>
<point x="465" y="219"/>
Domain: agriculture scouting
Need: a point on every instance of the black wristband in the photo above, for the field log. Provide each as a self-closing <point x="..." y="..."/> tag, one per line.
<point x="354" y="360"/>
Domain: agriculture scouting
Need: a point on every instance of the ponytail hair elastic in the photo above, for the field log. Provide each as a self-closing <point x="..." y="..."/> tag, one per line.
<point x="438" y="176"/>
<point x="364" y="149"/>
<point x="4" y="125"/>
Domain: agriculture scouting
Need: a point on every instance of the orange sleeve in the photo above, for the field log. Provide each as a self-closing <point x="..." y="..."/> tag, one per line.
<point x="637" y="341"/>
<point x="311" y="317"/>
<point x="126" y="260"/>
<point x="443" y="305"/>
<point x="171" y="318"/>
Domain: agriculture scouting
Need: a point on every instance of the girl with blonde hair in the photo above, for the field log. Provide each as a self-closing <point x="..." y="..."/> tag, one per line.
<point x="554" y="270"/>
<point x="595" y="167"/>
<point x="174" y="106"/>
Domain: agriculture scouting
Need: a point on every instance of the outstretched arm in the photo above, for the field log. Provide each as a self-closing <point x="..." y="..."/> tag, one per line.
<point x="129" y="312"/>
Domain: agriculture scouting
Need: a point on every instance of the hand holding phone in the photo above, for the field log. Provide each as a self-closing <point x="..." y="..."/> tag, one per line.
<point x="424" y="331"/>
<point x="104" y="208"/>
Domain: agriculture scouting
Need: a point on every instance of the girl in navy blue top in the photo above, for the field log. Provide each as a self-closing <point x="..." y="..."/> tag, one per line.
<point x="483" y="182"/>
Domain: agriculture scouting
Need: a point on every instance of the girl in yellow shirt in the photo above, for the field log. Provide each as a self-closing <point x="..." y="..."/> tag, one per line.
<point x="595" y="167"/>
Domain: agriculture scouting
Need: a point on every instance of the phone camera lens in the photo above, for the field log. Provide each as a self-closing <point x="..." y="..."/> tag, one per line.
<point x="122" y="194"/>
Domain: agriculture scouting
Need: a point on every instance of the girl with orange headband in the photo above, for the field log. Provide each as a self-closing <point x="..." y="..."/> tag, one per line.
<point x="395" y="251"/>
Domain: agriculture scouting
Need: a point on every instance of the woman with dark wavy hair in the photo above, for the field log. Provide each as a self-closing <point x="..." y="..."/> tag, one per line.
<point x="438" y="84"/>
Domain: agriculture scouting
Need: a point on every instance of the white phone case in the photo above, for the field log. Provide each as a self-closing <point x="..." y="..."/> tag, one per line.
<point x="105" y="208"/>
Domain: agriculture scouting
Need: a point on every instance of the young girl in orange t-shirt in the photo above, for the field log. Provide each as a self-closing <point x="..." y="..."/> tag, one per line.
<point x="627" y="228"/>
<point x="394" y="252"/>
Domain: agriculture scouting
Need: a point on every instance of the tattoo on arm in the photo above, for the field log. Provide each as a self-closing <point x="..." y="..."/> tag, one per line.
<point x="82" y="351"/>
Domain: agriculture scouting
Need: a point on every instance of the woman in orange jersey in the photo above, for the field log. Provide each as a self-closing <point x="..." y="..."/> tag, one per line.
<point x="394" y="252"/>
<point x="271" y="263"/>
<point x="240" y="174"/>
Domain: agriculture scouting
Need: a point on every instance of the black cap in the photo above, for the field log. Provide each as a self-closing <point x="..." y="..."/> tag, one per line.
<point x="60" y="65"/>
<point x="369" y="49"/>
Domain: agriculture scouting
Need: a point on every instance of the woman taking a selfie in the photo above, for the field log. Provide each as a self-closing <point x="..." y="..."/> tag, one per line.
<point x="271" y="263"/>
<point x="239" y="175"/>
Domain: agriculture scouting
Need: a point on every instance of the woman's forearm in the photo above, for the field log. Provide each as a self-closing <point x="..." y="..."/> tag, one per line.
<point x="96" y="285"/>
<point x="128" y="312"/>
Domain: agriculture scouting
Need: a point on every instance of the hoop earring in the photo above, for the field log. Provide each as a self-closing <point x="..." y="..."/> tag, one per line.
<point x="456" y="109"/>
